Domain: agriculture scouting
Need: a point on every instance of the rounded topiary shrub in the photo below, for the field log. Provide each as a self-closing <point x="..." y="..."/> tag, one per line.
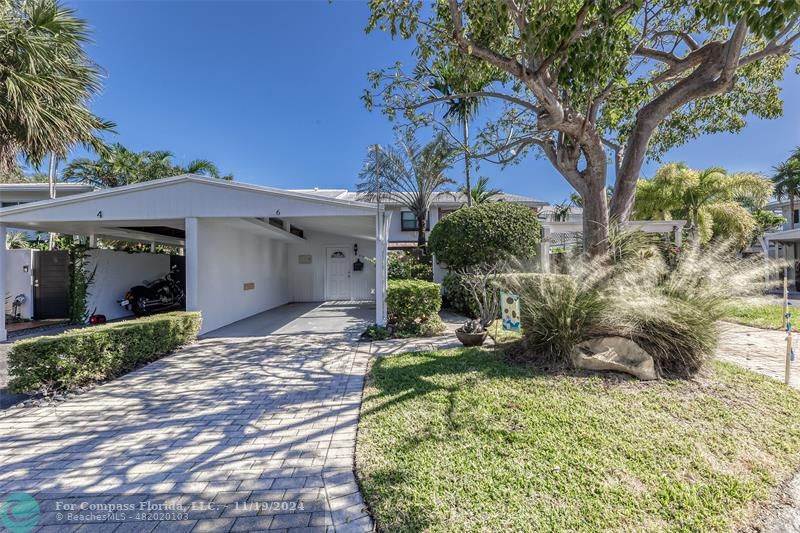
<point x="484" y="234"/>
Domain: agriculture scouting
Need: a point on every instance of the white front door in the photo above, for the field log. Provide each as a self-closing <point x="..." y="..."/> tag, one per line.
<point x="337" y="274"/>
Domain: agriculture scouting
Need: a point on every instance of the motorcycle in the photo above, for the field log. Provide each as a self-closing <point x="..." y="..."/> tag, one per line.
<point x="156" y="295"/>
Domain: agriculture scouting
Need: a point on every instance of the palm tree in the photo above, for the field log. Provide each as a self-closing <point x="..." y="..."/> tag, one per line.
<point x="713" y="202"/>
<point x="481" y="193"/>
<point x="120" y="166"/>
<point x="561" y="212"/>
<point x="407" y="174"/>
<point x="787" y="181"/>
<point x="16" y="240"/>
<point x="47" y="81"/>
<point x="450" y="80"/>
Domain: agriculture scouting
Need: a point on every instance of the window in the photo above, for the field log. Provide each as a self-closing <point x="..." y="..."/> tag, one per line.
<point x="10" y="204"/>
<point x="276" y="222"/>
<point x="294" y="230"/>
<point x="408" y="222"/>
<point x="796" y="216"/>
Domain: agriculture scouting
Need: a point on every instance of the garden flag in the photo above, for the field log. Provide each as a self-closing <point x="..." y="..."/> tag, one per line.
<point x="509" y="311"/>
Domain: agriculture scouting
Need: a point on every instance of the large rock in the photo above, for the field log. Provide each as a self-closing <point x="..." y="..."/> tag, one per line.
<point x="614" y="353"/>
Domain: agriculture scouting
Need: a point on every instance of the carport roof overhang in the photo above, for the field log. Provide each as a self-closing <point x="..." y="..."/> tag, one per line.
<point x="148" y="211"/>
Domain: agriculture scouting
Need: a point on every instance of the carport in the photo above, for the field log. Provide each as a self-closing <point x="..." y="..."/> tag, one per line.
<point x="247" y="248"/>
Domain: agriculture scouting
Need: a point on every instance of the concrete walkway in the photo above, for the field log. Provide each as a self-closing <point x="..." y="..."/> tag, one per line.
<point x="251" y="428"/>
<point x="759" y="350"/>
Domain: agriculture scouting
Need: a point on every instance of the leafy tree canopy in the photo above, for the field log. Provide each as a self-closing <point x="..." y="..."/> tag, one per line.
<point x="120" y="166"/>
<point x="715" y="203"/>
<point x="584" y="79"/>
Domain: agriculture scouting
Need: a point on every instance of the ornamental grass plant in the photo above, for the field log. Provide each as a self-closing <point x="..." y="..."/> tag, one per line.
<point x="670" y="310"/>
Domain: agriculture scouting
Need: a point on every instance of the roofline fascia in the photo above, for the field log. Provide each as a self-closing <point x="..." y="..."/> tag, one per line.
<point x="162" y="182"/>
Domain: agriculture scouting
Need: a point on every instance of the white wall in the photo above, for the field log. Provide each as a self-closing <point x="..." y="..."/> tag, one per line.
<point x="116" y="273"/>
<point x="307" y="281"/>
<point x="18" y="281"/>
<point x="228" y="257"/>
<point x="396" y="234"/>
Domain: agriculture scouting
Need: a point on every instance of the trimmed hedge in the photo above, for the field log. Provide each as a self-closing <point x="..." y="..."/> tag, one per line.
<point x="484" y="234"/>
<point x="84" y="356"/>
<point x="413" y="306"/>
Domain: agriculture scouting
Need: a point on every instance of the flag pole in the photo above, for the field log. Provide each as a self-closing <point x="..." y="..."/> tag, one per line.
<point x="787" y="324"/>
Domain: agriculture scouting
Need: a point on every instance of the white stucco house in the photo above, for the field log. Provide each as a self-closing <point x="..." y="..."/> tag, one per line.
<point x="403" y="225"/>
<point x="784" y="242"/>
<point x="12" y="194"/>
<point x="247" y="248"/>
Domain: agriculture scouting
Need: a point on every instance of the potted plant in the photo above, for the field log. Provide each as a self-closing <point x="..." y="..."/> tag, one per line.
<point x="477" y="280"/>
<point x="472" y="333"/>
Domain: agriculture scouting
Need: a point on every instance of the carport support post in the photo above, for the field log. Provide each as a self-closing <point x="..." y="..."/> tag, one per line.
<point x="3" y="258"/>
<point x="191" y="253"/>
<point x="380" y="268"/>
<point x="544" y="250"/>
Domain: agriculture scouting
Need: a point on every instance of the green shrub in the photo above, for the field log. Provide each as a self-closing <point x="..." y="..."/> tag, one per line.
<point x="413" y="306"/>
<point x="375" y="332"/>
<point x="84" y="356"/>
<point x="410" y="265"/>
<point x="485" y="233"/>
<point x="457" y="298"/>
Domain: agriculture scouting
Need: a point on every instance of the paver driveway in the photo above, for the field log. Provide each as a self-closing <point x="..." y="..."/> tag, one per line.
<point x="251" y="428"/>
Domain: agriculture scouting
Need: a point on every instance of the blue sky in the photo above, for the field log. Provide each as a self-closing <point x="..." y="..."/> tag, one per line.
<point x="270" y="91"/>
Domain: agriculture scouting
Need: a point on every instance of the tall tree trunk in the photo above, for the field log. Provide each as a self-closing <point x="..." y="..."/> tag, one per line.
<point x="595" y="217"/>
<point x="693" y="230"/>
<point x="468" y="186"/>
<point x="791" y="211"/>
<point x="422" y="219"/>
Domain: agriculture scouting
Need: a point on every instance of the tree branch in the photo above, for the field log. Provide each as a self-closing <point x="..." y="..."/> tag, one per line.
<point x="771" y="49"/>
<point x="478" y="94"/>
<point x="659" y="55"/>
<point x="685" y="37"/>
<point x="500" y="61"/>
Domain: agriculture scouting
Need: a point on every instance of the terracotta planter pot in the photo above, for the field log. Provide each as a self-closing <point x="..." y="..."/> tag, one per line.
<point x="471" y="339"/>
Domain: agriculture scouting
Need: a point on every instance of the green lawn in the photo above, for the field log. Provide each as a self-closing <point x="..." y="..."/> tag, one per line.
<point x="759" y="315"/>
<point x="463" y="440"/>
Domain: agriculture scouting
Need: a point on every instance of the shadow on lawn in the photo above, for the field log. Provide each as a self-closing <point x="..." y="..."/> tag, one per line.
<point x="407" y="382"/>
<point x="390" y="385"/>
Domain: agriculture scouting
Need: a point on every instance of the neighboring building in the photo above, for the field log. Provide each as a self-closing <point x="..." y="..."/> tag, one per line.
<point x="785" y="242"/>
<point x="12" y="194"/>
<point x="549" y="213"/>
<point x="403" y="226"/>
